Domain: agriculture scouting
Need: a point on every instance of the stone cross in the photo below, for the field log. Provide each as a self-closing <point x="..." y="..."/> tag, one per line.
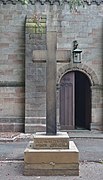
<point x="51" y="126"/>
<point x="51" y="56"/>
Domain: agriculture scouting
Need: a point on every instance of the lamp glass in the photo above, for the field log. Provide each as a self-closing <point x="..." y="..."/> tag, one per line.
<point x="77" y="57"/>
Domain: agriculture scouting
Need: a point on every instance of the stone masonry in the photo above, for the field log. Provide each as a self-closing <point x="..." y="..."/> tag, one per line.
<point x="35" y="79"/>
<point x="85" y="26"/>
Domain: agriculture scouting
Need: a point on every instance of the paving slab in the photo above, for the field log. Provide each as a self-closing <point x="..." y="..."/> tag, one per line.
<point x="90" y="149"/>
<point x="19" y="137"/>
<point x="14" y="171"/>
<point x="91" y="157"/>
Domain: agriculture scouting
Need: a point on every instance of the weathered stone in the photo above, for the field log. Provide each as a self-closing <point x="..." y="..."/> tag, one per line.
<point x="51" y="172"/>
<point x="86" y="27"/>
<point x="63" y="56"/>
<point x="43" y="141"/>
<point x="51" y="162"/>
<point x="51" y="127"/>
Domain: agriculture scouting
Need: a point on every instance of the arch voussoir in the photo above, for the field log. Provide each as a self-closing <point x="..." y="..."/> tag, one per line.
<point x="78" y="67"/>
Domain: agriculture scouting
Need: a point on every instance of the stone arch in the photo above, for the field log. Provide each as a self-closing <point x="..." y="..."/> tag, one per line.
<point x="96" y="88"/>
<point x="78" y="67"/>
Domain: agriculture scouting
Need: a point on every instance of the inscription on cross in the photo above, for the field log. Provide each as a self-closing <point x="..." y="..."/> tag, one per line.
<point x="51" y="56"/>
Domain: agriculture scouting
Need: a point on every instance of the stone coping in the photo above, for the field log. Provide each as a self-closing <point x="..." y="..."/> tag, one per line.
<point x="44" y="135"/>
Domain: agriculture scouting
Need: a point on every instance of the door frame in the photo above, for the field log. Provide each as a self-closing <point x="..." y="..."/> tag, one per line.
<point x="96" y="88"/>
<point x="87" y="79"/>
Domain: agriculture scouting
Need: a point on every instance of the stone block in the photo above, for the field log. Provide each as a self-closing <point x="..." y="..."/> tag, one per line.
<point x="51" y="165"/>
<point x="50" y="172"/>
<point x="51" y="155"/>
<point x="61" y="55"/>
<point x="34" y="127"/>
<point x="51" y="162"/>
<point x="43" y="141"/>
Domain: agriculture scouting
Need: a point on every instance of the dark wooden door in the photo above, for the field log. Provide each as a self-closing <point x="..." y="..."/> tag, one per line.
<point x="67" y="93"/>
<point x="75" y="101"/>
<point x="82" y="101"/>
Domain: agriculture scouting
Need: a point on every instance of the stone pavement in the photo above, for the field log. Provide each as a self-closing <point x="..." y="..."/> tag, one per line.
<point x="13" y="136"/>
<point x="90" y="145"/>
<point x="14" y="171"/>
<point x="91" y="149"/>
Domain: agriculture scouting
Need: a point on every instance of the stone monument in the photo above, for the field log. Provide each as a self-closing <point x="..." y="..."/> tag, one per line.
<point x="51" y="152"/>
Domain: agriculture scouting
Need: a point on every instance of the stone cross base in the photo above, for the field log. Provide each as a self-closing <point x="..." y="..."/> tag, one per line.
<point x="51" y="156"/>
<point x="43" y="141"/>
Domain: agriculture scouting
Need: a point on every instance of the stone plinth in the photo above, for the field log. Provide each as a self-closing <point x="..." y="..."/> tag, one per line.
<point x="45" y="158"/>
<point x="43" y="141"/>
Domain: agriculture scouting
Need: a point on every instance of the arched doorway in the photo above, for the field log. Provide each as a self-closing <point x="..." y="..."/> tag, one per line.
<point x="75" y="101"/>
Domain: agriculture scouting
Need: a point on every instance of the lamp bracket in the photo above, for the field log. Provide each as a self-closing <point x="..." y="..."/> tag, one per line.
<point x="75" y="44"/>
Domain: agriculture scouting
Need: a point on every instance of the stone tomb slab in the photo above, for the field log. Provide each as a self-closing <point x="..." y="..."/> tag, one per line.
<point x="59" y="141"/>
<point x="51" y="162"/>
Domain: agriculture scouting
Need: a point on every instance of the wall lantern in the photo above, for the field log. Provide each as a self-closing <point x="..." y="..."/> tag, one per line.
<point x="77" y="53"/>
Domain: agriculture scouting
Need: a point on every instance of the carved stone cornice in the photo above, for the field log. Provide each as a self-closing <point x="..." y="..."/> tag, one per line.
<point x="42" y="2"/>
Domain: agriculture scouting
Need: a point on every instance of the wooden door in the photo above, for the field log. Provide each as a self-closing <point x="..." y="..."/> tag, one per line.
<point x="67" y="93"/>
<point x="82" y="101"/>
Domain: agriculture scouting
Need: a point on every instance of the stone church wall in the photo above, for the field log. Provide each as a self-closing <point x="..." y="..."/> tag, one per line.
<point x="85" y="26"/>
